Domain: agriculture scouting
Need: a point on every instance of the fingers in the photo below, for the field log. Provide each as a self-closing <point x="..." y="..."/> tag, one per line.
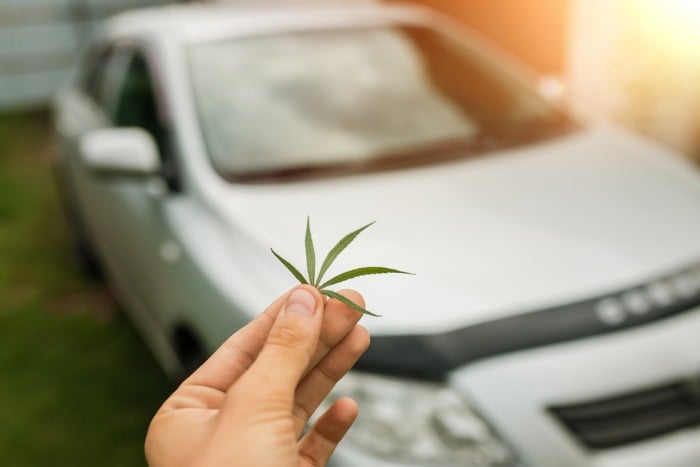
<point x="237" y="353"/>
<point x="290" y="346"/>
<point x="320" y="442"/>
<point x="338" y="321"/>
<point x="320" y="380"/>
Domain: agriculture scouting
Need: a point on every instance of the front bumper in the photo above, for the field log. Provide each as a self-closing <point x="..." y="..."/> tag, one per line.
<point x="515" y="393"/>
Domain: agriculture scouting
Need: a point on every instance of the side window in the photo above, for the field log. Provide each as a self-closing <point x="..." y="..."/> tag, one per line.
<point x="136" y="101"/>
<point x="104" y="73"/>
<point x="97" y="68"/>
<point x="91" y="78"/>
<point x="136" y="105"/>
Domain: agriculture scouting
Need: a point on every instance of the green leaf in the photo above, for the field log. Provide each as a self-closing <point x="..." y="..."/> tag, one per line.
<point x="337" y="249"/>
<point x="366" y="271"/>
<point x="291" y="268"/>
<point x="348" y="302"/>
<point x="310" y="254"/>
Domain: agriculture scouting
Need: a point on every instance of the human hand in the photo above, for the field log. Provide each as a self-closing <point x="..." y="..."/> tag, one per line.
<point x="249" y="402"/>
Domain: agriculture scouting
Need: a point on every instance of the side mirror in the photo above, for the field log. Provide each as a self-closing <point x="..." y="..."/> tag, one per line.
<point x="120" y="151"/>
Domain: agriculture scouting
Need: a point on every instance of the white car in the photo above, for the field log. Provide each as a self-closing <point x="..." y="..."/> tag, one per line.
<point x="554" y="318"/>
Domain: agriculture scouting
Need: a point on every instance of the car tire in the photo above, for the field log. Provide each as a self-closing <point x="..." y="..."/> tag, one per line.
<point x="189" y="350"/>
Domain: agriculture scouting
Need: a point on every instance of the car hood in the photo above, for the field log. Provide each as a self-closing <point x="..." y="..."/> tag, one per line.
<point x="511" y="232"/>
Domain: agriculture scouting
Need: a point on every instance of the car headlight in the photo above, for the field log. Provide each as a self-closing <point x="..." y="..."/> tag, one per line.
<point x="418" y="423"/>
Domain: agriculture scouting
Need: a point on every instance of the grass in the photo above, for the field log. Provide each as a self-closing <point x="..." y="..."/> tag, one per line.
<point x="77" y="385"/>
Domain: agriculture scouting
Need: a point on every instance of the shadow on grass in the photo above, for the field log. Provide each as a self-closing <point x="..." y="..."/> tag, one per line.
<point x="77" y="384"/>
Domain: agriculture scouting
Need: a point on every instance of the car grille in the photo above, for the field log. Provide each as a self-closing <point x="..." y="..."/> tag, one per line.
<point x="631" y="417"/>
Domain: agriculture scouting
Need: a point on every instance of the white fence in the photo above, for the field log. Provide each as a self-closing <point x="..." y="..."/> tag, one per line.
<point x="40" y="41"/>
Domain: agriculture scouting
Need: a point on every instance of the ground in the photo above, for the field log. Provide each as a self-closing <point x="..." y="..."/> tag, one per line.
<point x="77" y="384"/>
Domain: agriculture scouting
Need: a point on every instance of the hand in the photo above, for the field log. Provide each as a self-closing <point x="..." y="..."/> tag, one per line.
<point x="249" y="402"/>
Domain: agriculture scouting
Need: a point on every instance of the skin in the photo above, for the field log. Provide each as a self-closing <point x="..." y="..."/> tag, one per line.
<point x="249" y="402"/>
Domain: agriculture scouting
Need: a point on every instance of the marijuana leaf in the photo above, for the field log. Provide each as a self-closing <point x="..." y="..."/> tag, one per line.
<point x="338" y="248"/>
<point x="366" y="271"/>
<point x="348" y="302"/>
<point x="292" y="269"/>
<point x="310" y="253"/>
<point x="330" y="257"/>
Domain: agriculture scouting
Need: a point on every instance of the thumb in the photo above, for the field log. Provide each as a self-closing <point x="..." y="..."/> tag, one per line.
<point x="290" y="345"/>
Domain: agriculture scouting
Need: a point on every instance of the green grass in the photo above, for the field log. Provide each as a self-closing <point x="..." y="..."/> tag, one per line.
<point x="77" y="384"/>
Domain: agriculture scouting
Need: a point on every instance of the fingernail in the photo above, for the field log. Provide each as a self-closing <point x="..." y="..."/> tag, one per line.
<point x="301" y="301"/>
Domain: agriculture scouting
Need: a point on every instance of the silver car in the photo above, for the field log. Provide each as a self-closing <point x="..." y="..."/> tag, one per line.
<point x="554" y="316"/>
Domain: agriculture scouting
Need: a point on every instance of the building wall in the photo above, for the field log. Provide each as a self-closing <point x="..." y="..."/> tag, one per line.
<point x="40" y="41"/>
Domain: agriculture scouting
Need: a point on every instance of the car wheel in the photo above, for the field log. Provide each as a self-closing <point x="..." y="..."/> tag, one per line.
<point x="189" y="350"/>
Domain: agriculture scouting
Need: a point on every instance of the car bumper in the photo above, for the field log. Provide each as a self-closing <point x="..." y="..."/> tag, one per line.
<point x="515" y="392"/>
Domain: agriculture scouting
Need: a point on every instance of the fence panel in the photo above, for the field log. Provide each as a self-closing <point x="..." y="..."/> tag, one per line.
<point x="40" y="41"/>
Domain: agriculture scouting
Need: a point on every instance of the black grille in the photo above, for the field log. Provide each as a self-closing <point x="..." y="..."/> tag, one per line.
<point x="631" y="417"/>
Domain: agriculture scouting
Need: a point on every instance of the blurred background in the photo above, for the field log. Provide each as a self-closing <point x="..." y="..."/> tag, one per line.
<point x="77" y="385"/>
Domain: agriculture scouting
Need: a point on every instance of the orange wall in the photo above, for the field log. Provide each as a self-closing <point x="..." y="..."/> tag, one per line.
<point x="534" y="31"/>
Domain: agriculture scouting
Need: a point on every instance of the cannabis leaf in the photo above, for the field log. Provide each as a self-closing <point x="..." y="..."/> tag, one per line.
<point x="315" y="280"/>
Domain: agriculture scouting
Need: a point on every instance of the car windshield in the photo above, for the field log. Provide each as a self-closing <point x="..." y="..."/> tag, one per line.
<point x="347" y="100"/>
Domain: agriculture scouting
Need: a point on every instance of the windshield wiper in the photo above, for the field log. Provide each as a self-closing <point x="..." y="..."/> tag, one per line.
<point x="444" y="151"/>
<point x="483" y="142"/>
<point x="528" y="132"/>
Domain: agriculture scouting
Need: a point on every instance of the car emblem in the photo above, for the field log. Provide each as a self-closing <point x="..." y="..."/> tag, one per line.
<point x="611" y="312"/>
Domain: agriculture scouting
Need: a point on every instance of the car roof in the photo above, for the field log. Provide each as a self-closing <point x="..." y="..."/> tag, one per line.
<point x="192" y="23"/>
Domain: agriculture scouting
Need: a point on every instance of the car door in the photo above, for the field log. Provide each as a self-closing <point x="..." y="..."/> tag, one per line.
<point x="126" y="215"/>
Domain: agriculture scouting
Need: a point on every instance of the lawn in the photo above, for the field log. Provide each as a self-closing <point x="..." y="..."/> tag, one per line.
<point x="77" y="384"/>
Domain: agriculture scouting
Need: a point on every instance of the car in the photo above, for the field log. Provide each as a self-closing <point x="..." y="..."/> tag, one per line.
<point x="555" y="312"/>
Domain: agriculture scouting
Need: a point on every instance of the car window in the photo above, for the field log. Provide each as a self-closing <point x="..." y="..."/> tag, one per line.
<point x="129" y="92"/>
<point x="364" y="98"/>
<point x="93" y="70"/>
<point x="135" y="104"/>
<point x="102" y="72"/>
<point x="102" y="77"/>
